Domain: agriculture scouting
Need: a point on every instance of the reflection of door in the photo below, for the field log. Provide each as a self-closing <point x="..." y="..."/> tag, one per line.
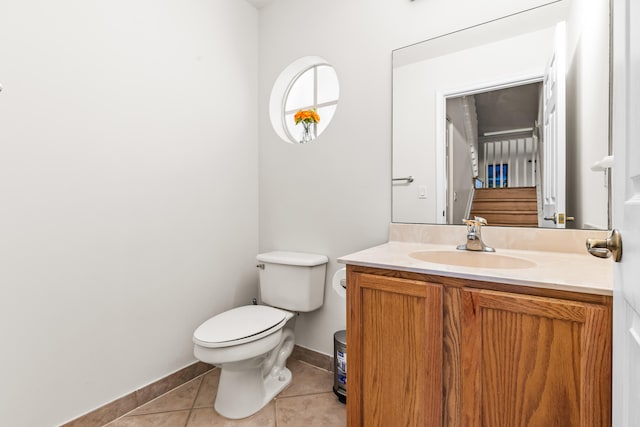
<point x="626" y="209"/>
<point x="554" y="143"/>
<point x="449" y="162"/>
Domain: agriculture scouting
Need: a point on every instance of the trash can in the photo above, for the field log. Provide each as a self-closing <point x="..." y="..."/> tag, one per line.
<point x="340" y="365"/>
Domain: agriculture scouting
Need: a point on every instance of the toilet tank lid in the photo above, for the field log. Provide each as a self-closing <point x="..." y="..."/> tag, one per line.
<point x="293" y="258"/>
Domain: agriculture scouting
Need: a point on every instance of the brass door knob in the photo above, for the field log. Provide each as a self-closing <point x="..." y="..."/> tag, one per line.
<point x="604" y="248"/>
<point x="559" y="219"/>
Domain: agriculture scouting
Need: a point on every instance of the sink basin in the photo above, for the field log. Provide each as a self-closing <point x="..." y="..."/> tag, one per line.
<point x="472" y="259"/>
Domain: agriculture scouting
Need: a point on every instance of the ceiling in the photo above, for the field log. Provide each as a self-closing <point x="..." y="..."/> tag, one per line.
<point x="506" y="109"/>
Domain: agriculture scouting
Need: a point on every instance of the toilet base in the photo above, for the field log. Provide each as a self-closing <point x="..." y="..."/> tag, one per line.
<point x="257" y="391"/>
<point x="273" y="386"/>
<point x="249" y="385"/>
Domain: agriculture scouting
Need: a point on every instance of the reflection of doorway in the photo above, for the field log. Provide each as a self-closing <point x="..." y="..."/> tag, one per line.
<point x="542" y="138"/>
<point x="492" y="144"/>
<point x="508" y="135"/>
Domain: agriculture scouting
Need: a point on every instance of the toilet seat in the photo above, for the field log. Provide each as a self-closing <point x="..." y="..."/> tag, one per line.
<point x="240" y="325"/>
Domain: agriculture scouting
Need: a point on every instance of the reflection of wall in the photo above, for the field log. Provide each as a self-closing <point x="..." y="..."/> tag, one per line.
<point x="129" y="183"/>
<point x="588" y="112"/>
<point x="461" y="182"/>
<point x="414" y="99"/>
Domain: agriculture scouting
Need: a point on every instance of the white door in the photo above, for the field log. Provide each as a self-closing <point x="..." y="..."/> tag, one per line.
<point x="626" y="210"/>
<point x="554" y="140"/>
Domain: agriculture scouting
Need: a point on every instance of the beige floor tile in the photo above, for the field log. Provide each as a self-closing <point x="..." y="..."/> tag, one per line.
<point x="175" y="400"/>
<point x="320" y="410"/>
<point x="208" y="389"/>
<point x="307" y="379"/>
<point x="307" y="402"/>
<point x="166" y="419"/>
<point x="206" y="417"/>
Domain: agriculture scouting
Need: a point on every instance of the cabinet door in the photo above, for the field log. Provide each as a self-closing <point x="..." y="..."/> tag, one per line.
<point x="534" y="361"/>
<point x="394" y="349"/>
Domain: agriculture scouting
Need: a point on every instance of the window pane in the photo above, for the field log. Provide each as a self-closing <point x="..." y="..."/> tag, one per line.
<point x="301" y="93"/>
<point x="328" y="88"/>
<point x="291" y="126"/>
<point x="326" y="114"/>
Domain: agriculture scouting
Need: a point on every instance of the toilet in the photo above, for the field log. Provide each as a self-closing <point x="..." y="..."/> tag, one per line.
<point x="251" y="344"/>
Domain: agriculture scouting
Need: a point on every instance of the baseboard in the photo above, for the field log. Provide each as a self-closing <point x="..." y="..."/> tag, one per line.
<point x="109" y="412"/>
<point x="313" y="357"/>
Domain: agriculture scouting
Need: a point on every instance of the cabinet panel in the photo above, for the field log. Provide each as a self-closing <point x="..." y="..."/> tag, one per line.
<point x="394" y="331"/>
<point x="534" y="361"/>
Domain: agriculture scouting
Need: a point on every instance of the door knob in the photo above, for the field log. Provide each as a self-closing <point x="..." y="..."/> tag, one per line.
<point x="604" y="248"/>
<point x="558" y="218"/>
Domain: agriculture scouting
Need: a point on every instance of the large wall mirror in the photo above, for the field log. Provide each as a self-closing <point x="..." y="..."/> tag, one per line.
<point x="508" y="120"/>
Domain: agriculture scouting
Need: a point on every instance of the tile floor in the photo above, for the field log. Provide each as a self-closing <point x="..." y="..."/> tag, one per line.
<point x="308" y="401"/>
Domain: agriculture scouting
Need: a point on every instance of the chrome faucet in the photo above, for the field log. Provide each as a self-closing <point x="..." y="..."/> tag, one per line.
<point x="474" y="236"/>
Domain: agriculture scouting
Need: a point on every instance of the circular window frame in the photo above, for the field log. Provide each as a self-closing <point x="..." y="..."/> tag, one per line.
<point x="281" y="90"/>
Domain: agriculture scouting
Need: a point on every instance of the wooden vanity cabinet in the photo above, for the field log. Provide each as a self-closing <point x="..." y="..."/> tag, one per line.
<point x="394" y="352"/>
<point x="437" y="351"/>
<point x="534" y="361"/>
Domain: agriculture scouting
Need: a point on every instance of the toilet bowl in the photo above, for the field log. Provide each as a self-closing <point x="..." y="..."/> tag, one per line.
<point x="251" y="344"/>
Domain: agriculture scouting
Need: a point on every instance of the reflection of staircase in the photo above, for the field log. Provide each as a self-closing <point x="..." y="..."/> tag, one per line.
<point x="514" y="207"/>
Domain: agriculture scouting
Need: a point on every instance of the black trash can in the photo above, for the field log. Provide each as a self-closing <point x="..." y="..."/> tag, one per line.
<point x="340" y="365"/>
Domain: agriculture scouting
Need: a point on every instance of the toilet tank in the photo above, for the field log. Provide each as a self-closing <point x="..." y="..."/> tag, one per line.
<point x="292" y="280"/>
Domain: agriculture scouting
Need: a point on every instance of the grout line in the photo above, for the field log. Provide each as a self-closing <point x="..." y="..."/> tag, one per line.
<point x="306" y="394"/>
<point x="314" y="366"/>
<point x="195" y="399"/>
<point x="170" y="411"/>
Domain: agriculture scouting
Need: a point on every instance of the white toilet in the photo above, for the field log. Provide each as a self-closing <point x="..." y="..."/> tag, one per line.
<point x="251" y="344"/>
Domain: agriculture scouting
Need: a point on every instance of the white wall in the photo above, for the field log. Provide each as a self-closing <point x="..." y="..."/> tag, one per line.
<point x="333" y="196"/>
<point x="128" y="181"/>
<point x="587" y="112"/>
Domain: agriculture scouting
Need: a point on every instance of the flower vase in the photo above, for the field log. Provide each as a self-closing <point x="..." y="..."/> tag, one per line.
<point x="307" y="136"/>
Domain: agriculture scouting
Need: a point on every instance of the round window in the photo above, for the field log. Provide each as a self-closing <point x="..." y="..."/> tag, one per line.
<point x="304" y="100"/>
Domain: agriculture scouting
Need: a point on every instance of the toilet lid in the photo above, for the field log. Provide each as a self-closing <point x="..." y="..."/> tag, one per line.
<point x="239" y="323"/>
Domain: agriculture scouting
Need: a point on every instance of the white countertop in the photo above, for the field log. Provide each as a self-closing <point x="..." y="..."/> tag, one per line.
<point x="575" y="272"/>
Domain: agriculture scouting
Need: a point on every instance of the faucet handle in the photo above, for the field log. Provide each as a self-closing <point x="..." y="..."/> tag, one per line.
<point x="476" y="221"/>
<point x="468" y="222"/>
<point x="480" y="220"/>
